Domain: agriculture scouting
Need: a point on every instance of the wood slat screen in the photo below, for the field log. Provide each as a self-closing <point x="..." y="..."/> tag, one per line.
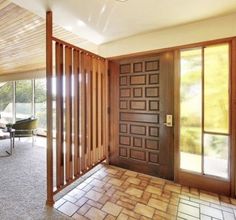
<point x="80" y="116"/>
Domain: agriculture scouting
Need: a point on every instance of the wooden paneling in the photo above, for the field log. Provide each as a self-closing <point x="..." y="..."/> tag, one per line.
<point x="22" y="43"/>
<point x="138" y="87"/>
<point x="81" y="112"/>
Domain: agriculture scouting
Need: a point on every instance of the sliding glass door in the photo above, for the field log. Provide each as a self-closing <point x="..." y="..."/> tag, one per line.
<point x="204" y="111"/>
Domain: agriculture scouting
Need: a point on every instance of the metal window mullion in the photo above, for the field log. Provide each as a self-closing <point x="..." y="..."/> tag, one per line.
<point x="14" y="101"/>
<point x="33" y="98"/>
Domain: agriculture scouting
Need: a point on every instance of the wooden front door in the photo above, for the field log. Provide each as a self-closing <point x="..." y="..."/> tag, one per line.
<point x="141" y="97"/>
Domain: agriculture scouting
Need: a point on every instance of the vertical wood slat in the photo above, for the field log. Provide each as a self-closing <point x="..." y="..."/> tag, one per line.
<point x="83" y="115"/>
<point x="106" y="112"/>
<point x="49" y="72"/>
<point x="94" y="109"/>
<point x="97" y="116"/>
<point x="99" y="110"/>
<point x="59" y="113"/>
<point x="88" y="110"/>
<point x="76" y="69"/>
<point x="82" y="112"/>
<point x="68" y="84"/>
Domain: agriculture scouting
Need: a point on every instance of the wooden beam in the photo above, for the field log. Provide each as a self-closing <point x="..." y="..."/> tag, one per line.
<point x="49" y="72"/>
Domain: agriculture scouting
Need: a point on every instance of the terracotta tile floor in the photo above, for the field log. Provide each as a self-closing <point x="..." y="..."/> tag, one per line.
<point x="115" y="193"/>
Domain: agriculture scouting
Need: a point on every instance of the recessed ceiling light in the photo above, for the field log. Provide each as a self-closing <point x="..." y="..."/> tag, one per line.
<point x="80" y="23"/>
<point x="68" y="28"/>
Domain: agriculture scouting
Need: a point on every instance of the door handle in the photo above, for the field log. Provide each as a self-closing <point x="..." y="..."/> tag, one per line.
<point x="169" y="121"/>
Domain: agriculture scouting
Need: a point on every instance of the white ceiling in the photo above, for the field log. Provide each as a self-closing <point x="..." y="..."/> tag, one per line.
<point x="101" y="21"/>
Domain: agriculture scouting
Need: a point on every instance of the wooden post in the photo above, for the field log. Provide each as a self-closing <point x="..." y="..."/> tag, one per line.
<point x="233" y="117"/>
<point x="49" y="71"/>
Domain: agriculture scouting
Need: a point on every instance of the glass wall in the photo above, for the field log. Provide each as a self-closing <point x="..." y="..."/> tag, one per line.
<point x="204" y="110"/>
<point x="23" y="99"/>
<point x="6" y="103"/>
<point x="40" y="99"/>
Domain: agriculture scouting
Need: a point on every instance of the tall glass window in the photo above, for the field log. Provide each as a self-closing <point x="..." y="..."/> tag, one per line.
<point x="204" y="110"/>
<point x="40" y="103"/>
<point x="24" y="100"/>
<point x="6" y="103"/>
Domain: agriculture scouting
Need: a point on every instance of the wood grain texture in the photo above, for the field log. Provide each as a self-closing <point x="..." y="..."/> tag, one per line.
<point x="68" y="111"/>
<point x="49" y="72"/>
<point x="141" y="95"/>
<point x="76" y="101"/>
<point x="21" y="34"/>
<point x="59" y="112"/>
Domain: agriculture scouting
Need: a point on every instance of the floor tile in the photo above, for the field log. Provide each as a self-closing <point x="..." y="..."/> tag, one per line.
<point x="172" y="188"/>
<point x="84" y="209"/>
<point x="122" y="217"/>
<point x="158" y="204"/>
<point x="68" y="208"/>
<point x="134" y="192"/>
<point x="205" y="217"/>
<point x="93" y="195"/>
<point x="81" y="201"/>
<point x="154" y="190"/>
<point x="133" y="180"/>
<point x="112" y="193"/>
<point x="144" y="210"/>
<point x="186" y="216"/>
<point x="190" y="210"/>
<point x="112" y="208"/>
<point x="70" y="198"/>
<point x="215" y="213"/>
<point x="58" y="203"/>
<point x="131" y="173"/>
<point x="95" y="214"/>
<point x="77" y="216"/>
<point x="228" y="216"/>
<point x="115" y="182"/>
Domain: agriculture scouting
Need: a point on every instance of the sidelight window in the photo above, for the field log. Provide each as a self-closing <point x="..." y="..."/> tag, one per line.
<point x="204" y="110"/>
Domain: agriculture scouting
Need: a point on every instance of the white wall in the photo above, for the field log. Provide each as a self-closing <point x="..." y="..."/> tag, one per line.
<point x="210" y="29"/>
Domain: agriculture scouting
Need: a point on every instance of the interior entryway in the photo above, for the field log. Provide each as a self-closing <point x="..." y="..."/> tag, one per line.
<point x="141" y="114"/>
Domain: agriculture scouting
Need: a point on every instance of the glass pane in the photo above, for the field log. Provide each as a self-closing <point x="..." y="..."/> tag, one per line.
<point x="40" y="104"/>
<point x="6" y="97"/>
<point x="216" y="78"/>
<point x="190" y="110"/>
<point x="216" y="152"/>
<point x="23" y="99"/>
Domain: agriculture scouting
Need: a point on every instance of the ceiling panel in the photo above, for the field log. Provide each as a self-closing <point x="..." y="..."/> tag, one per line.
<point x="22" y="39"/>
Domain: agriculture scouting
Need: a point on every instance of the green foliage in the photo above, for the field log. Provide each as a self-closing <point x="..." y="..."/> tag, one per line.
<point x="5" y="95"/>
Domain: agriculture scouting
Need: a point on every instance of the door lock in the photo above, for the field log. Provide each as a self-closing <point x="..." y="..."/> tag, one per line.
<point x="169" y="121"/>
